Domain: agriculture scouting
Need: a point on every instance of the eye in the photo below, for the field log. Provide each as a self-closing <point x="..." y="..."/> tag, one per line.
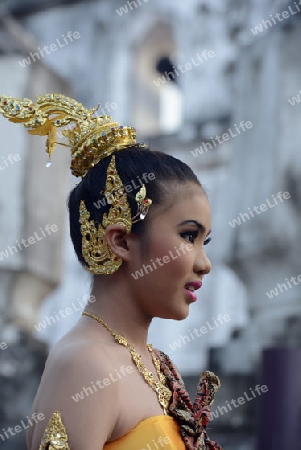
<point x="209" y="239"/>
<point x="190" y="235"/>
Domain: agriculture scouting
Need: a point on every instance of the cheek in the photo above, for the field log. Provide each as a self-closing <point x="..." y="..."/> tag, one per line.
<point x="162" y="247"/>
<point x="176" y="261"/>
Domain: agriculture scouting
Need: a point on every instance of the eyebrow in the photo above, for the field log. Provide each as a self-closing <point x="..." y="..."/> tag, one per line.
<point x="196" y="223"/>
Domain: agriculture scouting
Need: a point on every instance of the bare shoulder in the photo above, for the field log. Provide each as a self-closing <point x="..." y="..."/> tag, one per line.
<point x="73" y="384"/>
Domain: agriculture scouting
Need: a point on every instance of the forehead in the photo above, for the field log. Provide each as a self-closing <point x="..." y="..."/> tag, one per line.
<point x="188" y="202"/>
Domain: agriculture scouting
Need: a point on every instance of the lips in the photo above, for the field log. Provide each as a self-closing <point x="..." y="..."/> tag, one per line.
<point x="191" y="287"/>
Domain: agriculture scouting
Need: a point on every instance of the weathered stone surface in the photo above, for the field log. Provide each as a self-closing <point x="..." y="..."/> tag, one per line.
<point x="29" y="273"/>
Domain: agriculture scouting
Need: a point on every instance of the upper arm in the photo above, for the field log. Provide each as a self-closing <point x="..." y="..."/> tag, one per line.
<point x="73" y="385"/>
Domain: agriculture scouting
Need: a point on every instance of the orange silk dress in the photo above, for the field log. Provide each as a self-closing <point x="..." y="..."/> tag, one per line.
<point x="158" y="432"/>
<point x="184" y="428"/>
<point x="154" y="433"/>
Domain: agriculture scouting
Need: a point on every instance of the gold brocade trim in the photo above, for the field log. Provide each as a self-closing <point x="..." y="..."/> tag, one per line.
<point x="55" y="436"/>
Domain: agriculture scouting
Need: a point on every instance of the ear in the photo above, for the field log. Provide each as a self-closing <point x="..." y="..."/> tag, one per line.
<point x="120" y="242"/>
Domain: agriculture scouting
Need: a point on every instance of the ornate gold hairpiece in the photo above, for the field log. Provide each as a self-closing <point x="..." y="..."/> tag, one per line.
<point x="95" y="249"/>
<point x="91" y="139"/>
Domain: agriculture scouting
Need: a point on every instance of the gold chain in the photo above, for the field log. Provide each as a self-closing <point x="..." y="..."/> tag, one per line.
<point x="162" y="391"/>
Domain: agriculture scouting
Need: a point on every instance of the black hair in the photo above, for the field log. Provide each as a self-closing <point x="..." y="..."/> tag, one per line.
<point x="161" y="169"/>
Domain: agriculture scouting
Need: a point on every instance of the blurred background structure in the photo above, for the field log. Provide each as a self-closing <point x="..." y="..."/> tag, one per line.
<point x="216" y="84"/>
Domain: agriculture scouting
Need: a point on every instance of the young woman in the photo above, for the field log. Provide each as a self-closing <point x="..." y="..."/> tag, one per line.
<point x="139" y="222"/>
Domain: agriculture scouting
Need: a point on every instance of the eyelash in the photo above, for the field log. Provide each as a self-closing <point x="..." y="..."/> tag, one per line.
<point x="209" y="239"/>
<point x="195" y="235"/>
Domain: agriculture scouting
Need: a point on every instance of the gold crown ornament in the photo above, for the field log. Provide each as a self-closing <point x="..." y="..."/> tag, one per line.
<point x="91" y="139"/>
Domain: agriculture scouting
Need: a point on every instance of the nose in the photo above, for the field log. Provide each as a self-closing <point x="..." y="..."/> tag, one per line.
<point x="202" y="263"/>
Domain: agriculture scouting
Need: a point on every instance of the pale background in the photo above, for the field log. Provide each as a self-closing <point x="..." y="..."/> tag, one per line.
<point x="116" y="59"/>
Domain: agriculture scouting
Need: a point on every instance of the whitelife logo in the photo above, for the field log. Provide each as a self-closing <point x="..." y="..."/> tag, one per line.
<point x="24" y="425"/>
<point x="123" y="371"/>
<point x="30" y="241"/>
<point x="205" y="146"/>
<point x="46" y="50"/>
<point x="166" y="259"/>
<point x="259" y="209"/>
<point x="9" y="160"/>
<point x="3" y="345"/>
<point x="183" y="68"/>
<point x="198" y="332"/>
<point x="295" y="100"/>
<point x="156" y="445"/>
<point x="292" y="10"/>
<point x="101" y="111"/>
<point x="124" y="9"/>
<point x="287" y="286"/>
<point x="127" y="187"/>
<point x="240" y="400"/>
<point x="63" y="313"/>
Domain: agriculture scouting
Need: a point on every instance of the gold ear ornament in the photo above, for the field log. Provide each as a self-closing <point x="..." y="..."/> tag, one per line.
<point x="95" y="249"/>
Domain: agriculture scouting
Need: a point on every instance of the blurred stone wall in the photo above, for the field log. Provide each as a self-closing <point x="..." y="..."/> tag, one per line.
<point x="250" y="78"/>
<point x="31" y="197"/>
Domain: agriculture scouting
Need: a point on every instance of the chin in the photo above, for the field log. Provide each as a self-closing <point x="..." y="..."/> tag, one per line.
<point x="181" y="315"/>
<point x="175" y="315"/>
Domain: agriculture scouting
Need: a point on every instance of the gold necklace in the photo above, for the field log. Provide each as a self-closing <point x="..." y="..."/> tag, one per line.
<point x="162" y="391"/>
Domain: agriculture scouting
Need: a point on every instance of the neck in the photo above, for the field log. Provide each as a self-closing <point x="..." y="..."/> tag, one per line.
<point x="119" y="310"/>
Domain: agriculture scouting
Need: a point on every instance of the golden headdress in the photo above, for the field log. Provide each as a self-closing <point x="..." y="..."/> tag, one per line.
<point x="91" y="138"/>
